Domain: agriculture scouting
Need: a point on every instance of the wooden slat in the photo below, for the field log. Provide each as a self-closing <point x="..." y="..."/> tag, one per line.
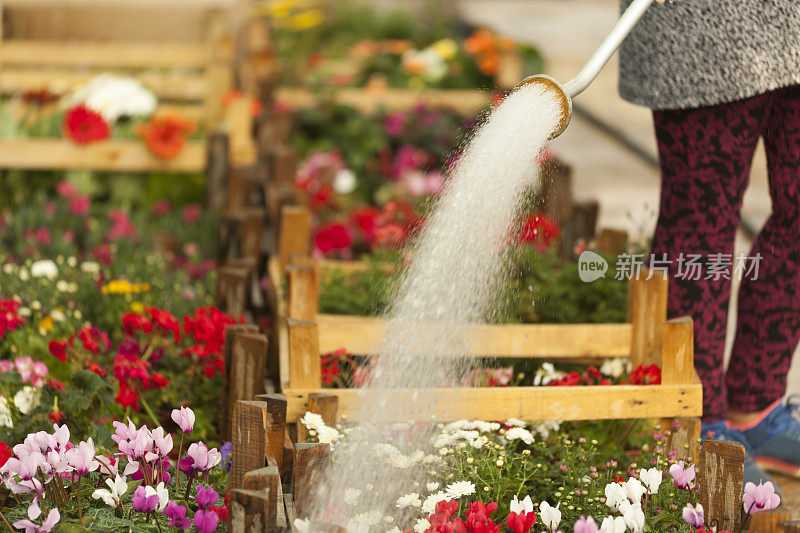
<point x="111" y="155"/>
<point x="525" y="403"/>
<point x="170" y="86"/>
<point x="722" y="482"/>
<point x="249" y="439"/>
<point x="304" y="355"/>
<point x="360" y="335"/>
<point x="351" y="267"/>
<point x="310" y="461"/>
<point x="103" y="54"/>
<point x="647" y="311"/>
<point x="677" y="352"/>
<point x="466" y="101"/>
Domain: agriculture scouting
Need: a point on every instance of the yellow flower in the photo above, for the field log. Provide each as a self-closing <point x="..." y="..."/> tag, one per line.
<point x="446" y="48"/>
<point x="280" y="8"/>
<point x="306" y="19"/>
<point x="121" y="286"/>
<point x="46" y="324"/>
<point x="137" y="307"/>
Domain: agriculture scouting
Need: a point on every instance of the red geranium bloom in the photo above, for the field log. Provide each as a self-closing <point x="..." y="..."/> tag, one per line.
<point x="645" y="375"/>
<point x="539" y="229"/>
<point x="57" y="416"/>
<point x="165" y="136"/>
<point x="58" y="349"/>
<point x="83" y="125"/>
<point x="5" y="453"/>
<point x="159" y="380"/>
<point x="127" y="396"/>
<point x="332" y="237"/>
<point x="94" y="367"/>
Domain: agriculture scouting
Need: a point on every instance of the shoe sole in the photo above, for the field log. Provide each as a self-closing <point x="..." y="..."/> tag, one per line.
<point x="770" y="464"/>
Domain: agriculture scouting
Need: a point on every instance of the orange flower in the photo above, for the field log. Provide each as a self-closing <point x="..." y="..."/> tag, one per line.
<point x="255" y="106"/>
<point x="165" y="136"/>
<point x="488" y="64"/>
<point x="480" y="42"/>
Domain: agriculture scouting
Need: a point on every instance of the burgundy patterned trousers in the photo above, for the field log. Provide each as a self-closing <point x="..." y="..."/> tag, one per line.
<point x="705" y="157"/>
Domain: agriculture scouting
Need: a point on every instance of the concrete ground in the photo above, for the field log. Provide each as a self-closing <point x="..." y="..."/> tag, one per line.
<point x="625" y="184"/>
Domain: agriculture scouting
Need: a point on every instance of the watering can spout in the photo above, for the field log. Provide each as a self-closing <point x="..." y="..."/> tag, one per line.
<point x="566" y="92"/>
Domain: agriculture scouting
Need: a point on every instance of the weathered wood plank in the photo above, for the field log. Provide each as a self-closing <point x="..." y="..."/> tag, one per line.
<point x="276" y="425"/>
<point x="295" y="234"/>
<point x="249" y="439"/>
<point x="370" y="101"/>
<point x="770" y="521"/>
<point x="721" y="483"/>
<point x="677" y="351"/>
<point x="251" y="511"/>
<point x="304" y="355"/>
<point x="647" y="312"/>
<point x="169" y="86"/>
<point x="248" y="368"/>
<point x="111" y="155"/>
<point x="310" y="460"/>
<point x="120" y="55"/>
<point x="231" y="290"/>
<point x="525" y="403"/>
<point x="303" y="292"/>
<point x="360" y="335"/>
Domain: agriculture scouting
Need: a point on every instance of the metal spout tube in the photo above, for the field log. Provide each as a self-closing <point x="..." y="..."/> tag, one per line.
<point x="593" y="66"/>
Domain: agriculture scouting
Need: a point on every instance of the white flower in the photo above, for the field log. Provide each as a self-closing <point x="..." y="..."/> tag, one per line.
<point x="613" y="524"/>
<point x="551" y="516"/>
<point x="422" y="525"/>
<point x="112" y="497"/>
<point x="517" y="506"/>
<point x="634" y="489"/>
<point x="614" y="367"/>
<point x="312" y="420"/>
<point x="633" y="515"/>
<point x="370" y="518"/>
<point x="408" y="500"/>
<point x="651" y="479"/>
<point x="26" y="399"/>
<point x="301" y="525"/>
<point x="546" y="374"/>
<point x="432" y="486"/>
<point x="344" y="182"/>
<point x="427" y="63"/>
<point x="520" y="433"/>
<point x="44" y="268"/>
<point x="429" y="505"/>
<point x="459" y="489"/>
<point x="163" y="496"/>
<point x="516" y="422"/>
<point x="615" y="494"/>
<point x="90" y="267"/>
<point x="115" y="96"/>
<point x="23" y="274"/>
<point x="351" y="496"/>
<point x="546" y="427"/>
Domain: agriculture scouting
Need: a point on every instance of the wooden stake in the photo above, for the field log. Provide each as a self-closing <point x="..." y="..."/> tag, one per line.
<point x="218" y="71"/>
<point x="303" y="292"/>
<point x="677" y="351"/>
<point x="249" y="440"/>
<point x="305" y="371"/>
<point x="216" y="169"/>
<point x="722" y="483"/>
<point x="324" y="405"/>
<point x="251" y="511"/>
<point x="288" y="459"/>
<point x="276" y="425"/>
<point x="248" y="368"/>
<point x="231" y="291"/>
<point x="295" y="234"/>
<point x="647" y="311"/>
<point x="284" y="165"/>
<point x="612" y="241"/>
<point x="770" y="521"/>
<point x="310" y="460"/>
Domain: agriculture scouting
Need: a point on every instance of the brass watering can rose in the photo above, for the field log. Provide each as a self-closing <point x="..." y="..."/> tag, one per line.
<point x="566" y="92"/>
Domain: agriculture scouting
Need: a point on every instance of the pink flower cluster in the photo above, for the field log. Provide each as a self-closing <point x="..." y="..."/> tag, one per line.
<point x="33" y="372"/>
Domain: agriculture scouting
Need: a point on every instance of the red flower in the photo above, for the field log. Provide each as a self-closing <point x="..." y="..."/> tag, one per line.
<point x="127" y="396"/>
<point x="165" y="136"/>
<point x="447" y="508"/>
<point x="102" y="254"/>
<point x="522" y="522"/>
<point x="57" y="416"/>
<point x="65" y="189"/>
<point x="221" y="510"/>
<point x="131" y="323"/>
<point x="94" y="367"/>
<point x="83" y="125"/>
<point x="650" y="375"/>
<point x="159" y="380"/>
<point x="256" y="107"/>
<point x="166" y="322"/>
<point x="54" y="383"/>
<point x="79" y="205"/>
<point x="191" y="213"/>
<point x="619" y="479"/>
<point x="332" y="237"/>
<point x="539" y="229"/>
<point x="5" y="453"/>
<point x="43" y="236"/>
<point x="58" y="349"/>
<point x="209" y="371"/>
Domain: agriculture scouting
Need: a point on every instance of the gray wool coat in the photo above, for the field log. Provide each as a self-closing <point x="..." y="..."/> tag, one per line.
<point x="691" y="53"/>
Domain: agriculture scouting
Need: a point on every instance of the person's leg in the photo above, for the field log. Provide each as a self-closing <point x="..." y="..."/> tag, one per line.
<point x="768" y="326"/>
<point x="705" y="157"/>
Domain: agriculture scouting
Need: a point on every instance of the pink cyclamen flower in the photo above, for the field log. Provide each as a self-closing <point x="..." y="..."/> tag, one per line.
<point x="205" y="521"/>
<point x="123" y="432"/>
<point x="682" y="475"/>
<point x="24" y="365"/>
<point x="137" y="447"/>
<point x="200" y="458"/>
<point x="177" y="516"/>
<point x="694" y="516"/>
<point x="760" y="497"/>
<point x="206" y="496"/>
<point x="162" y="444"/>
<point x="184" y="417"/>
<point x="34" y="512"/>
<point x="81" y="458"/>
<point x="586" y="525"/>
<point x="145" y="499"/>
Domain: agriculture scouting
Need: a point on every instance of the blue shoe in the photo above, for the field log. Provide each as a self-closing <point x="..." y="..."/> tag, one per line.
<point x="753" y="473"/>
<point x="776" y="439"/>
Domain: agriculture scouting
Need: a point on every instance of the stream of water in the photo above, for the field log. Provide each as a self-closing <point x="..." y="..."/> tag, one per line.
<point x="451" y="284"/>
